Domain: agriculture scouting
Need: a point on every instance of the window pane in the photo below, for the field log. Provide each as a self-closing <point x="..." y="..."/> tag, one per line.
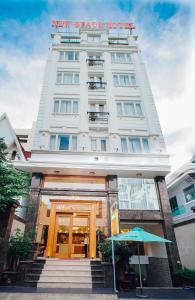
<point x="75" y="107"/>
<point x="135" y="144"/>
<point x="63" y="107"/>
<point x="138" y="109"/>
<point x="92" y="107"/>
<point x="124" y="145"/>
<point x="56" y="106"/>
<point x="103" y="145"/>
<point x="173" y="203"/>
<point x="63" y="142"/>
<point x="145" y="145"/>
<point x="61" y="55"/>
<point x="101" y="108"/>
<point x="69" y="55"/>
<point x="129" y="109"/>
<point x="115" y="77"/>
<point x="67" y="79"/>
<point x="52" y="142"/>
<point x="119" y="109"/>
<point x="128" y="58"/>
<point x="124" y="80"/>
<point x="59" y="77"/>
<point x="76" y="55"/>
<point x="93" y="144"/>
<point x="189" y="193"/>
<point x="74" y="143"/>
<point x="113" y="57"/>
<point x="133" y="82"/>
<point x="76" y="78"/>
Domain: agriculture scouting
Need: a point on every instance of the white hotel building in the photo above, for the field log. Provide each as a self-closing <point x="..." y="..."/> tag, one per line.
<point x="98" y="150"/>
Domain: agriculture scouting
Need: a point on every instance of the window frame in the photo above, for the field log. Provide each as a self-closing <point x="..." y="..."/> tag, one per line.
<point x="115" y="58"/>
<point x="75" y="53"/>
<point x="171" y="200"/>
<point x="56" y="142"/>
<point x="72" y="103"/>
<point x="128" y="145"/>
<point x="98" y="142"/>
<point x="188" y="188"/>
<point x="118" y="78"/>
<point x="134" y="103"/>
<point x="62" y="74"/>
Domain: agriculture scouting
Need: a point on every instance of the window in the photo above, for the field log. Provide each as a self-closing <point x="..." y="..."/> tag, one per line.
<point x="121" y="57"/>
<point x="173" y="203"/>
<point x="97" y="107"/>
<point x="99" y="144"/>
<point x="124" y="80"/>
<point x="129" y="108"/>
<point x="68" y="55"/>
<point x="135" y="144"/>
<point x="93" y="38"/>
<point x="118" y="41"/>
<point x="63" y="142"/>
<point x="137" y="193"/>
<point x="65" y="106"/>
<point x="67" y="78"/>
<point x="189" y="193"/>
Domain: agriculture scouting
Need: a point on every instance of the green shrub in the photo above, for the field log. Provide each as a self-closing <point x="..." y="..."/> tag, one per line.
<point x="186" y="273"/>
<point x="121" y="250"/>
<point x="20" y="244"/>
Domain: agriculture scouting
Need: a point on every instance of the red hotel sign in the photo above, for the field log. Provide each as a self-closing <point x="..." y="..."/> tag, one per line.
<point x="86" y="24"/>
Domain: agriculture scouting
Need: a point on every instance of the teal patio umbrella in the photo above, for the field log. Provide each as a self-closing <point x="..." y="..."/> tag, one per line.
<point x="137" y="234"/>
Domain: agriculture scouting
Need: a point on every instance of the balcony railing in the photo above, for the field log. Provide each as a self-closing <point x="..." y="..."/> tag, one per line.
<point x="93" y="85"/>
<point x="180" y="210"/>
<point x="98" y="117"/>
<point x="95" y="62"/>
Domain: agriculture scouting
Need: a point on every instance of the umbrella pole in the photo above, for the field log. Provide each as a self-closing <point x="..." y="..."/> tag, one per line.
<point x="113" y="264"/>
<point x="140" y="276"/>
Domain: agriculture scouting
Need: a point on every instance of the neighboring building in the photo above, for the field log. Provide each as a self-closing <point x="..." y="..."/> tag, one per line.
<point x="181" y="189"/>
<point x="16" y="152"/>
<point x="98" y="147"/>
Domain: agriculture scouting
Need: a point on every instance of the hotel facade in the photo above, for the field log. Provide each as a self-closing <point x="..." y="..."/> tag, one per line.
<point x="98" y="159"/>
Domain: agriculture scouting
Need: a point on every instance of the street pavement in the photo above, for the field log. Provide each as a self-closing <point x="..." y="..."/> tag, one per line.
<point x="25" y="293"/>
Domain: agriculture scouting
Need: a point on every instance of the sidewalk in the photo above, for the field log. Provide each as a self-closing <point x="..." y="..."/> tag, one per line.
<point x="26" y="293"/>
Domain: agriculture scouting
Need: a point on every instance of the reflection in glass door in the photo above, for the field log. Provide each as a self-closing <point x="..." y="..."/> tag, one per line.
<point x="80" y="236"/>
<point x="63" y="236"/>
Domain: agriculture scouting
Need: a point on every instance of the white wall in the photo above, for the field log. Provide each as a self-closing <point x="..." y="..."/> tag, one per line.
<point x="185" y="236"/>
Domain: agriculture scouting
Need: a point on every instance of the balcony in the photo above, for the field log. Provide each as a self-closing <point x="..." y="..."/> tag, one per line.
<point x="98" y="117"/>
<point x="180" y="210"/>
<point x="95" y="62"/>
<point x="95" y="85"/>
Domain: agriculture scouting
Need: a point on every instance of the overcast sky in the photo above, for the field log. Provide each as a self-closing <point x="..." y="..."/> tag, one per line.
<point x="166" y="38"/>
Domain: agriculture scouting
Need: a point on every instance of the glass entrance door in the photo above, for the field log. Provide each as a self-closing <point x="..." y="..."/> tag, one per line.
<point x="63" y="236"/>
<point x="80" y="236"/>
<point x="71" y="236"/>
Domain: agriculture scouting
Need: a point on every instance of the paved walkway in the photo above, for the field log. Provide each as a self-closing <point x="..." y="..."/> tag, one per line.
<point x="24" y="293"/>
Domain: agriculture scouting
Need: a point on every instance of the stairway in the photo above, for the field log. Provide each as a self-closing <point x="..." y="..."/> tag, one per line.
<point x="59" y="273"/>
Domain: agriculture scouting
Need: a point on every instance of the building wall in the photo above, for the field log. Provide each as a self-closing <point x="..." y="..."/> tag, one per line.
<point x="17" y="225"/>
<point x="186" y="244"/>
<point x="48" y="122"/>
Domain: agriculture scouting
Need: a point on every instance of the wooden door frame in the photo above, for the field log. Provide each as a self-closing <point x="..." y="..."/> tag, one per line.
<point x="52" y="224"/>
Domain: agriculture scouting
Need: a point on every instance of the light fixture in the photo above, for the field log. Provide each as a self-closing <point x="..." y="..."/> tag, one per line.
<point x="91" y="173"/>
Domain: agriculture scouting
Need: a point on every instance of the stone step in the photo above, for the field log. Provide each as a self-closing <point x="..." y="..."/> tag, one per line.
<point x="66" y="273"/>
<point x="70" y="285"/>
<point x="67" y="268"/>
<point x="75" y="279"/>
<point x="67" y="263"/>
